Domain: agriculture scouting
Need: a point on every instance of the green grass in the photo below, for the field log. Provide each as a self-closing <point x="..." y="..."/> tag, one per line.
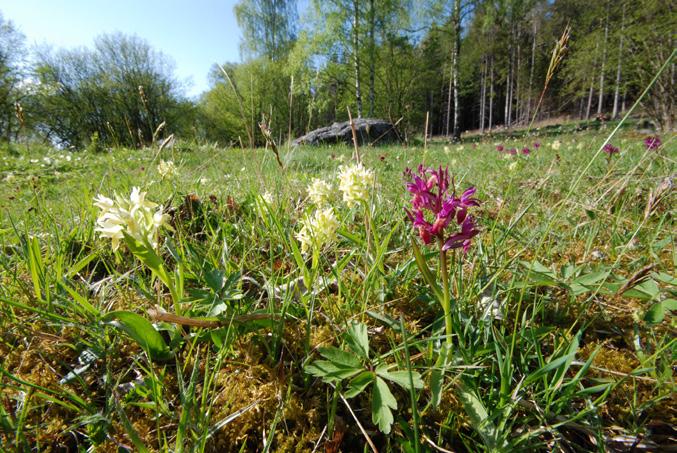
<point x="579" y="275"/>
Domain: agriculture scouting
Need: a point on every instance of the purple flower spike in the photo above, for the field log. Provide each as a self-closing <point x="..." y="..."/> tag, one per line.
<point x="610" y="149"/>
<point x="537" y="145"/>
<point x="430" y="196"/>
<point x="652" y="142"/>
<point x="512" y="151"/>
<point x="526" y="151"/>
<point x="500" y="148"/>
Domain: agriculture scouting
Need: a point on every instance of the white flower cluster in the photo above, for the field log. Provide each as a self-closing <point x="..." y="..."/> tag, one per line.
<point x="267" y="197"/>
<point x="355" y="181"/>
<point x="318" y="230"/>
<point x="137" y="217"/>
<point x="320" y="192"/>
<point x="556" y="145"/>
<point x="166" y="169"/>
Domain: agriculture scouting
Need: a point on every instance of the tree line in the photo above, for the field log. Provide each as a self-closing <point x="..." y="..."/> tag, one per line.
<point x="454" y="65"/>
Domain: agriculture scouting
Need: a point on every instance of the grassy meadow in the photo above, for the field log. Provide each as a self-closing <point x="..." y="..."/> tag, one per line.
<point x="225" y="336"/>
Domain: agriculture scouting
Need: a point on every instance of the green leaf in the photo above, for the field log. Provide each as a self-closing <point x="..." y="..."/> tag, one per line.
<point x="656" y="314"/>
<point x="358" y="384"/>
<point x="647" y="290"/>
<point x="401" y="378"/>
<point x="385" y="319"/>
<point x="357" y="339"/>
<point x="591" y="278"/>
<point x="330" y="372"/>
<point x="552" y="365"/>
<point x="340" y="357"/>
<point x="437" y="375"/>
<point x="141" y="331"/>
<point x="81" y="300"/>
<point x="382" y="401"/>
<point x="479" y="418"/>
<point x="146" y="254"/>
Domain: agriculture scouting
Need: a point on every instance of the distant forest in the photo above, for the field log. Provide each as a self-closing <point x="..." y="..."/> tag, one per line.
<point x="466" y="64"/>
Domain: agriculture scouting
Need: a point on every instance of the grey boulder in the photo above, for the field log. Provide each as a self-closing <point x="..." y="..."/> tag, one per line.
<point x="367" y="130"/>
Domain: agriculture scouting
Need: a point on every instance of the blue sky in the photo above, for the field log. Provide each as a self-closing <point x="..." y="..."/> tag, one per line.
<point x="193" y="33"/>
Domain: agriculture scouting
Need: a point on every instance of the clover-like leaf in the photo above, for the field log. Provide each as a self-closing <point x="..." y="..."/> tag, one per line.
<point x="357" y="339"/>
<point x="382" y="401"/>
<point x="358" y="384"/>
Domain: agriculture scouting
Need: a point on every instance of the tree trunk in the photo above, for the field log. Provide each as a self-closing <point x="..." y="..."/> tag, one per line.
<point x="457" y="51"/>
<point x="506" y="118"/>
<point x="356" y="56"/>
<point x="450" y="93"/>
<point x="600" y="101"/>
<point x="491" y="93"/>
<point x="618" y="68"/>
<point x="483" y="94"/>
<point x="372" y="57"/>
<point x="592" y="88"/>
<point x="517" y="78"/>
<point x="531" y="71"/>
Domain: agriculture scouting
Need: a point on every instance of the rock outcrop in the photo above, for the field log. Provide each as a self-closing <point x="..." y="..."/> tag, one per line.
<point x="368" y="130"/>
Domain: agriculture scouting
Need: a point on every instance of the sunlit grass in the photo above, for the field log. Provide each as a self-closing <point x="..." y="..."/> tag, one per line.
<point x="561" y="313"/>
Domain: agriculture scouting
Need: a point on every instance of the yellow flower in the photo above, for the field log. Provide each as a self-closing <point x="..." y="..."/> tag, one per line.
<point x="556" y="145"/>
<point x="355" y="182"/>
<point x="136" y="217"/>
<point x="166" y="168"/>
<point x="319" y="192"/>
<point x="318" y="229"/>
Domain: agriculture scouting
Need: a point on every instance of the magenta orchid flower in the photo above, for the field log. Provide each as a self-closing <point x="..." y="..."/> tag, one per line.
<point x="430" y="195"/>
<point x="610" y="149"/>
<point x="652" y="142"/>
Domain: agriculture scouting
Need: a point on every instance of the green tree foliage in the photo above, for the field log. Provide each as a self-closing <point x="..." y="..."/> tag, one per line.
<point x="122" y="91"/>
<point x="12" y="53"/>
<point x="268" y="26"/>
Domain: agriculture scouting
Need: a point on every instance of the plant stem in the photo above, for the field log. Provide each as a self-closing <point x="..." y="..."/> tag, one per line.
<point x="446" y="300"/>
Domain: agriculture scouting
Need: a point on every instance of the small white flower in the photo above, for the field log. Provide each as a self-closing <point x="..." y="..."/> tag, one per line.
<point x="556" y="145"/>
<point x="203" y="180"/>
<point x="320" y="192"/>
<point x="9" y="178"/>
<point x="355" y="182"/>
<point x="512" y="166"/>
<point x="166" y="168"/>
<point x="267" y="197"/>
<point x="447" y="149"/>
<point x="318" y="230"/>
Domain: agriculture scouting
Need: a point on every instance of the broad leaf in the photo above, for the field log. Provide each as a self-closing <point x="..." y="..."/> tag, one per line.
<point x="141" y="331"/>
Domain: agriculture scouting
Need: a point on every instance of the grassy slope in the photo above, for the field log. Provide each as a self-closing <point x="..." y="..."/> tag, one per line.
<point x="530" y="212"/>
